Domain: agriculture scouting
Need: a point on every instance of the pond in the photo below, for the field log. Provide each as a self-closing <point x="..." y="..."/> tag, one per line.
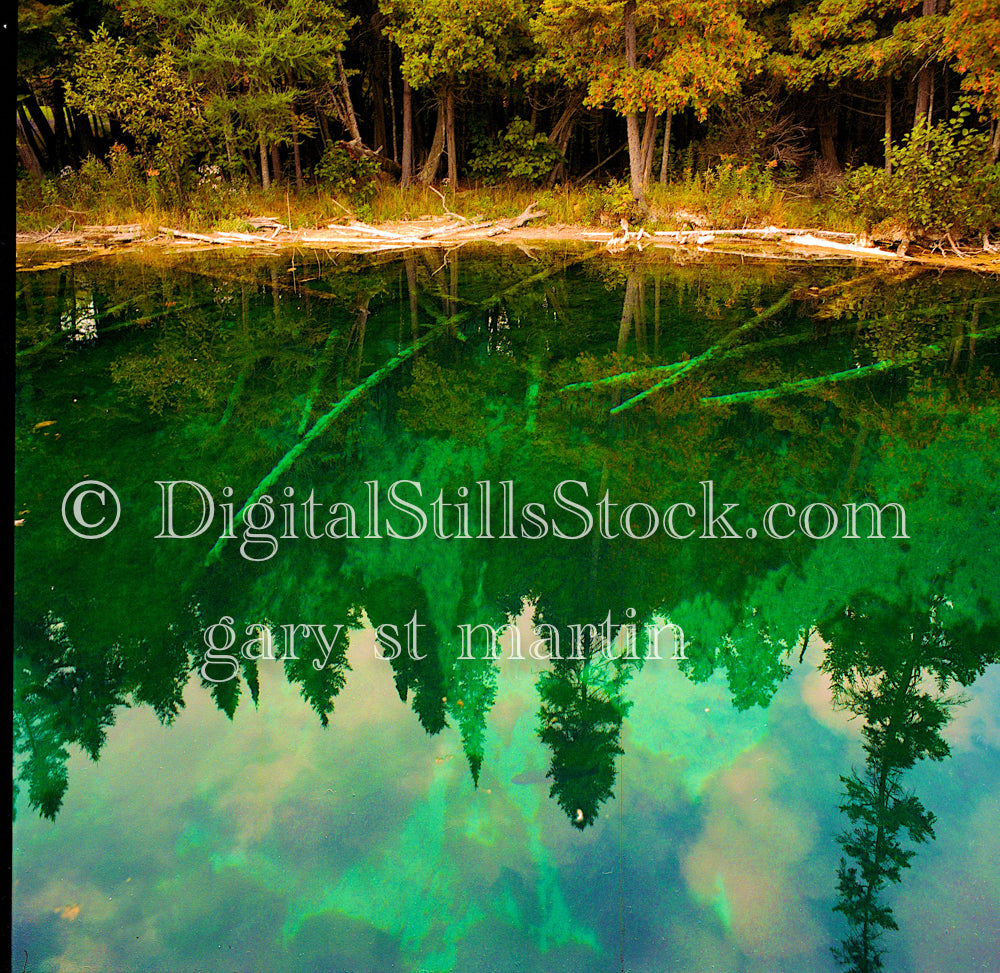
<point x="505" y="611"/>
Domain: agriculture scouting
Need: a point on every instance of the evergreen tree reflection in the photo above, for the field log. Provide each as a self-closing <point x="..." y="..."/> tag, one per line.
<point x="222" y="387"/>
<point x="580" y="721"/>
<point x="891" y="666"/>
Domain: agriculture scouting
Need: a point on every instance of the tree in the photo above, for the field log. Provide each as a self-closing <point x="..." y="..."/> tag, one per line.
<point x="445" y="44"/>
<point x="153" y="102"/>
<point x="254" y="59"/>
<point x="829" y="43"/>
<point x="882" y="661"/>
<point x="654" y="57"/>
<point x="580" y="721"/>
<point x="972" y="36"/>
<point x="48" y="40"/>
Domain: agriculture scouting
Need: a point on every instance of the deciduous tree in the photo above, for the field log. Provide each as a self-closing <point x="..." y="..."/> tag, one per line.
<point x="648" y="57"/>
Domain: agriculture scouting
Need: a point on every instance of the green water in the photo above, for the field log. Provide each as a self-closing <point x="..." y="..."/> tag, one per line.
<point x="273" y="750"/>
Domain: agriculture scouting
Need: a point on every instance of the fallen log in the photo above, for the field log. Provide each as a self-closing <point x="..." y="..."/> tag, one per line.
<point x="705" y="356"/>
<point x="526" y="216"/>
<point x="443" y="326"/>
<point x="185" y="235"/>
<point x="811" y="240"/>
<point x="860" y="371"/>
<point x="766" y="232"/>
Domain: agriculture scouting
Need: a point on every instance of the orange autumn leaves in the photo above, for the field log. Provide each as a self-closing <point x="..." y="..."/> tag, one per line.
<point x="689" y="54"/>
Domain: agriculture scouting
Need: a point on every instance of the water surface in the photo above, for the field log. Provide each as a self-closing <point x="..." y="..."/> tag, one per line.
<point x="808" y="784"/>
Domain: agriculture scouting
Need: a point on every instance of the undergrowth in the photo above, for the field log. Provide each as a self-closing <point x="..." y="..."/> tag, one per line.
<point x="120" y="191"/>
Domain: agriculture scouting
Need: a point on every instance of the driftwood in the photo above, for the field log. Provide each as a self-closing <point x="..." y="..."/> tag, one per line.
<point x="227" y="239"/>
<point x="768" y="233"/>
<point x="464" y="231"/>
<point x="526" y="216"/>
<point x="265" y="223"/>
<point x="812" y="240"/>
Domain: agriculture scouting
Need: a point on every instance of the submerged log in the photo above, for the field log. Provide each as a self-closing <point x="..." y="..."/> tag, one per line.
<point x="860" y="371"/>
<point x="688" y="366"/>
<point x="378" y="376"/>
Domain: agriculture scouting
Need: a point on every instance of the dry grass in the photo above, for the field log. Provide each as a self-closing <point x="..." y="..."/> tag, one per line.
<point x="94" y="196"/>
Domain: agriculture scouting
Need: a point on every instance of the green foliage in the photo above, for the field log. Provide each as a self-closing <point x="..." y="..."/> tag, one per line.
<point x="444" y="41"/>
<point x="46" y="39"/>
<point x="253" y="62"/>
<point x="864" y="39"/>
<point x="617" y="203"/>
<point x="732" y="193"/>
<point x="520" y="154"/>
<point x="345" y="175"/>
<point x="127" y="180"/>
<point x="233" y="224"/>
<point x="689" y="54"/>
<point x="972" y="36"/>
<point x="750" y="180"/>
<point x="120" y="186"/>
<point x="943" y="181"/>
<point x="155" y="104"/>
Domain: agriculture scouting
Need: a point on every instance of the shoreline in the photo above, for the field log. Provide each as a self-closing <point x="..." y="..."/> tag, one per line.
<point x="441" y="233"/>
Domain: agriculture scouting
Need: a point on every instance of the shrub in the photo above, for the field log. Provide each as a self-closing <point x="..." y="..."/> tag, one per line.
<point x="127" y="178"/>
<point x="750" y="183"/>
<point x="944" y="182"/>
<point x="617" y="203"/>
<point x="519" y="154"/>
<point x="347" y="176"/>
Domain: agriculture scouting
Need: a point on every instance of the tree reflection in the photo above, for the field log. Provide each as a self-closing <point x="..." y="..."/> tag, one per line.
<point x="891" y="666"/>
<point x="223" y="390"/>
<point x="580" y="721"/>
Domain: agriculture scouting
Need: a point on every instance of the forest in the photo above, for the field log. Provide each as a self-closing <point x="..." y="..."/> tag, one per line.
<point x="888" y="110"/>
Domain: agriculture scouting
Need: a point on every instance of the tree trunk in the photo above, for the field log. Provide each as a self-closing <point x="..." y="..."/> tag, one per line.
<point x="648" y="143"/>
<point x="44" y="129"/>
<point x="665" y="158"/>
<point x="296" y="155"/>
<point x="407" y="160"/>
<point x="265" y="175"/>
<point x="925" y="79"/>
<point x="379" y="134"/>
<point x="64" y="148"/>
<point x="392" y="109"/>
<point x="632" y="119"/>
<point x="888" y="126"/>
<point x="430" y="168"/>
<point x="29" y="158"/>
<point x="449" y="120"/>
<point x="634" y="155"/>
<point x="275" y="165"/>
<point x="345" y="93"/>
<point x="827" y="126"/>
<point x="83" y="134"/>
<point x="560" y="135"/>
<point x="31" y="154"/>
